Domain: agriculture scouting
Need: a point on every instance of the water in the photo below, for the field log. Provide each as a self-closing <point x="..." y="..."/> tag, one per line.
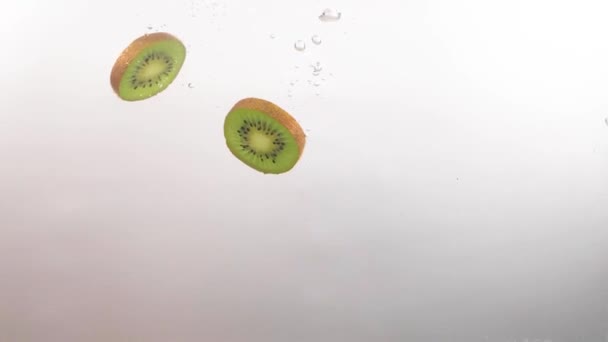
<point x="330" y="15"/>
<point x="316" y="68"/>
<point x="300" y="45"/>
<point x="316" y="39"/>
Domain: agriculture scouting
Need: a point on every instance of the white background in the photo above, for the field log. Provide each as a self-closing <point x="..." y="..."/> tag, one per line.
<point x="454" y="186"/>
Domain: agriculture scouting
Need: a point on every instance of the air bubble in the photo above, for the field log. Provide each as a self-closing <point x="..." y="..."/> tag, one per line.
<point x="606" y="121"/>
<point x="300" y="45"/>
<point x="330" y="15"/>
<point x="316" y="68"/>
<point x="316" y="39"/>
<point x="190" y="85"/>
<point x="272" y="36"/>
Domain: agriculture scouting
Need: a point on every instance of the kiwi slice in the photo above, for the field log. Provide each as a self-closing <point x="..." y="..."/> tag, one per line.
<point x="147" y="66"/>
<point x="264" y="136"/>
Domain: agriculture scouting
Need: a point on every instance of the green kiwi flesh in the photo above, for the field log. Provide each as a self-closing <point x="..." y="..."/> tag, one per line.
<point x="262" y="141"/>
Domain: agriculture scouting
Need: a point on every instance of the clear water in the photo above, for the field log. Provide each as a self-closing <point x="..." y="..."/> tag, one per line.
<point x="453" y="186"/>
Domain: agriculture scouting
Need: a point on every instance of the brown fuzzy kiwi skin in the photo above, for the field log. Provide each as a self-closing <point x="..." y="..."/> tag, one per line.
<point x="278" y="114"/>
<point x="129" y="54"/>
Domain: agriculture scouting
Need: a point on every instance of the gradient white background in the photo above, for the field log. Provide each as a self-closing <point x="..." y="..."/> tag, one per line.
<point x="454" y="185"/>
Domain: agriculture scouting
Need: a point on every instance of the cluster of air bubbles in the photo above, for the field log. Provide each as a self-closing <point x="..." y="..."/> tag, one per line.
<point x="212" y="9"/>
<point x="327" y="16"/>
<point x="194" y="8"/>
<point x="159" y="28"/>
<point x="300" y="45"/>
<point x="316" y="68"/>
<point x="315" y="81"/>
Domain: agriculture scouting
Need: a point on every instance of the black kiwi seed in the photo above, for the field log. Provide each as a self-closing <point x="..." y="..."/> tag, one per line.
<point x="137" y="83"/>
<point x="278" y="140"/>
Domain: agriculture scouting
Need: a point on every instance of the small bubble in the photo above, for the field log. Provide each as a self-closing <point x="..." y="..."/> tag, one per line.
<point x="300" y="45"/>
<point x="272" y="36"/>
<point x="606" y="121"/>
<point x="316" y="83"/>
<point x="316" y="39"/>
<point x="150" y="27"/>
<point x="330" y="15"/>
<point x="316" y="68"/>
<point x="190" y="85"/>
